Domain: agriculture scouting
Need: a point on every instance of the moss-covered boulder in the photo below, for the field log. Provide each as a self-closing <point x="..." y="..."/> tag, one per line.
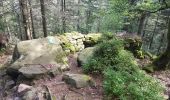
<point x="72" y="42"/>
<point x="133" y="44"/>
<point x="85" y="55"/>
<point x="44" y="52"/>
<point x="78" y="80"/>
<point x="92" y="39"/>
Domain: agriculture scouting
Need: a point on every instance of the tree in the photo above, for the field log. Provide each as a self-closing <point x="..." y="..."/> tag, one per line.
<point x="63" y="9"/>
<point x="32" y="22"/>
<point x="43" y="17"/>
<point x="26" y="18"/>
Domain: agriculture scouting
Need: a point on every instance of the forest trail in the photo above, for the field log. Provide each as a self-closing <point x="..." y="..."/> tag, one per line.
<point x="59" y="88"/>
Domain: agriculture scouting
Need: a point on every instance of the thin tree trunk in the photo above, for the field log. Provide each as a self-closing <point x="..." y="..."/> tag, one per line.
<point x="26" y="19"/>
<point x="78" y="19"/>
<point x="88" y="21"/>
<point x="7" y="26"/>
<point x="32" y="21"/>
<point x="43" y="18"/>
<point x="63" y="8"/>
<point x="98" y="26"/>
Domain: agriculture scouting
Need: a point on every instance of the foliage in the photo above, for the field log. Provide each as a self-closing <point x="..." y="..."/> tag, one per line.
<point x="104" y="51"/>
<point x="148" y="5"/>
<point x="123" y="79"/>
<point x="131" y="86"/>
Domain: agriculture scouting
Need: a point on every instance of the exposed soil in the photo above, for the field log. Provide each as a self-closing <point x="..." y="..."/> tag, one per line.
<point x="61" y="90"/>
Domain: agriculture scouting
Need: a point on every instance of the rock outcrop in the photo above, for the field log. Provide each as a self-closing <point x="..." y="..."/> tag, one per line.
<point x="38" y="56"/>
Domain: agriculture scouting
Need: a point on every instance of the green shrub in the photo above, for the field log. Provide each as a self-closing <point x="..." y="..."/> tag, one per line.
<point x="131" y="86"/>
<point x="103" y="56"/>
<point x="123" y="79"/>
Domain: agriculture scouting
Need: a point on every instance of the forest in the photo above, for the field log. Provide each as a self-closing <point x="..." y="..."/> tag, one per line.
<point x="84" y="49"/>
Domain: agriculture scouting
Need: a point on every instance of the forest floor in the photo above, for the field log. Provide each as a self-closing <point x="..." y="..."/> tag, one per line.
<point x="63" y="91"/>
<point x="60" y="89"/>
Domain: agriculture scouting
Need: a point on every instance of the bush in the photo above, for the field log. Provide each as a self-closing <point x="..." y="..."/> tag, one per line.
<point x="103" y="56"/>
<point x="131" y="86"/>
<point x="123" y="79"/>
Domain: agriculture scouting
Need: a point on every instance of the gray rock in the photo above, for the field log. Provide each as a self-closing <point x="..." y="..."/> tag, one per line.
<point x="85" y="54"/>
<point x="23" y="88"/>
<point x="78" y="80"/>
<point x="43" y="51"/>
<point x="30" y="95"/>
<point x="9" y="84"/>
<point x="32" y="71"/>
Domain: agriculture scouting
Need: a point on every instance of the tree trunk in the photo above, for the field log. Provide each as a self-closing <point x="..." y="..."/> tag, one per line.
<point x="163" y="62"/>
<point x="7" y="28"/>
<point x="88" y="21"/>
<point x="63" y="8"/>
<point x="141" y="24"/>
<point x="78" y="19"/>
<point x="43" y="18"/>
<point x="26" y="18"/>
<point x="32" y="21"/>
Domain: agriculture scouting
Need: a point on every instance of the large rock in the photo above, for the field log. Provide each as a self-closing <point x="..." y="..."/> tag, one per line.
<point x="92" y="39"/>
<point x="78" y="80"/>
<point x="85" y="54"/>
<point x="23" y="88"/>
<point x="44" y="51"/>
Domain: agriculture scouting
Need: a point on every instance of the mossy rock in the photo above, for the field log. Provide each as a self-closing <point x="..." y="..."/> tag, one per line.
<point x="92" y="39"/>
<point x="139" y="54"/>
<point x="149" y="68"/>
<point x="85" y="55"/>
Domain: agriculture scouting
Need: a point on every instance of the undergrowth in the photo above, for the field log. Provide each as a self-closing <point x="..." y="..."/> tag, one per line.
<point x="123" y="79"/>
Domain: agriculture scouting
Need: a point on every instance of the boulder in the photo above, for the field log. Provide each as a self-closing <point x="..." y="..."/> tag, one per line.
<point x="92" y="39"/>
<point x="29" y="55"/>
<point x="8" y="82"/>
<point x="24" y="88"/>
<point x="30" y="95"/>
<point x="78" y="80"/>
<point x="85" y="54"/>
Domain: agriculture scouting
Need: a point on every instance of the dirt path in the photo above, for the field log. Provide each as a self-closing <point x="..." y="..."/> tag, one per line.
<point x="61" y="90"/>
<point x="65" y="92"/>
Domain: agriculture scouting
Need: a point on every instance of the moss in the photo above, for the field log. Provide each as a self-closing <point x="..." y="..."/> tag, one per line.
<point x="59" y="56"/>
<point x="149" y="68"/>
<point x="139" y="54"/>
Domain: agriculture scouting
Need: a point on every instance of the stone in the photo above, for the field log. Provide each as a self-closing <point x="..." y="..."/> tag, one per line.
<point x="79" y="40"/>
<point x="65" y="67"/>
<point x="56" y="70"/>
<point x="24" y="88"/>
<point x="30" y="95"/>
<point x="85" y="54"/>
<point x="73" y="42"/>
<point x="33" y="71"/>
<point x="9" y="84"/>
<point x="42" y="51"/>
<point x="92" y="39"/>
<point x="78" y="80"/>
